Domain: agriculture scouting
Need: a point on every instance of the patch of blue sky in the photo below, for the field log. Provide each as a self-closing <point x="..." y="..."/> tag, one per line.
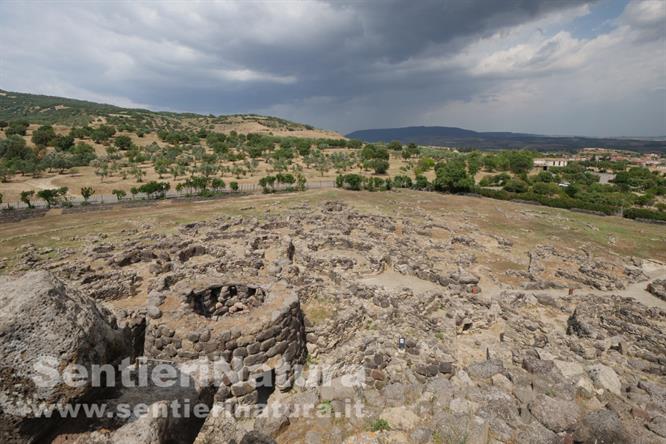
<point x="601" y="19"/>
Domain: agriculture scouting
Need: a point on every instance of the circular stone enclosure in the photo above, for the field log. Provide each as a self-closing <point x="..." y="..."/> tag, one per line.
<point x="222" y="300"/>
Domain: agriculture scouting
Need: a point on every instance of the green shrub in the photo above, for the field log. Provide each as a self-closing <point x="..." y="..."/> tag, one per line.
<point x="421" y="182"/>
<point x="516" y="186"/>
<point x="349" y="181"/>
<point x="379" y="424"/>
<point x="643" y="213"/>
<point x="402" y="182"/>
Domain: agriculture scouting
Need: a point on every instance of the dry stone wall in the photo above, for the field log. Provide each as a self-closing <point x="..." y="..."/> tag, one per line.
<point x="257" y="333"/>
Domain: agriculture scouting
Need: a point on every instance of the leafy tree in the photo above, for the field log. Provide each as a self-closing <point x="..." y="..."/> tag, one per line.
<point x="217" y="184"/>
<point x="341" y="161"/>
<point x="86" y="193"/>
<point x="120" y="194"/>
<point x="57" y="160"/>
<point x="380" y="166"/>
<point x="102" y="133"/>
<point x="233" y="185"/>
<point x="520" y="161"/>
<point x="52" y="196"/>
<point x="516" y="186"/>
<point x="371" y="151"/>
<point x="17" y="127"/>
<point x="138" y="173"/>
<point x="122" y="142"/>
<point x="572" y="190"/>
<point x="14" y="147"/>
<point x="208" y="168"/>
<point x="102" y="169"/>
<point x="424" y="164"/>
<point x="354" y="144"/>
<point x="25" y="166"/>
<point x="413" y="150"/>
<point x="287" y="179"/>
<point x="81" y="133"/>
<point x="349" y="181"/>
<point x="199" y="183"/>
<point x="545" y="188"/>
<point x="452" y="177"/>
<point x="63" y="143"/>
<point x="377" y="184"/>
<point x="267" y="183"/>
<point x="421" y="182"/>
<point x="283" y="153"/>
<point x="26" y="197"/>
<point x="545" y="176"/>
<point x="320" y="161"/>
<point x="3" y="124"/>
<point x="303" y="147"/>
<point x="155" y="189"/>
<point x="254" y="151"/>
<point x="402" y="182"/>
<point x="176" y="171"/>
<point x="645" y="200"/>
<point x="161" y="165"/>
<point x="43" y="136"/>
<point x="4" y="172"/>
<point x="395" y="145"/>
<point x="489" y="162"/>
<point x="82" y="154"/>
<point x="495" y="180"/>
<point x="301" y="182"/>
<point x="474" y="163"/>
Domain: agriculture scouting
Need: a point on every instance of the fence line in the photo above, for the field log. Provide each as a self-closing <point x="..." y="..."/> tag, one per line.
<point x="101" y="199"/>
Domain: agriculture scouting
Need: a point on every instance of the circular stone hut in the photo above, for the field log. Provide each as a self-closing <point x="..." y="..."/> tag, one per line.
<point x="256" y="330"/>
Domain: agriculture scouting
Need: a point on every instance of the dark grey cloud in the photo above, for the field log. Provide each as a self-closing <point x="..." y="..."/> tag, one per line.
<point x="340" y="65"/>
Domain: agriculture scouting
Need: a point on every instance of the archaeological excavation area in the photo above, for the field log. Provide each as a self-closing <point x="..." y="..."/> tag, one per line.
<point x="407" y="320"/>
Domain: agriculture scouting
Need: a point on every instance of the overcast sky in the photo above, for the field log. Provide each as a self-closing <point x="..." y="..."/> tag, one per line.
<point x="540" y="66"/>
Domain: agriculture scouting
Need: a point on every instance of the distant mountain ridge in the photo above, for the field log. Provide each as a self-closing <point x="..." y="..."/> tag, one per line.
<point x="467" y="139"/>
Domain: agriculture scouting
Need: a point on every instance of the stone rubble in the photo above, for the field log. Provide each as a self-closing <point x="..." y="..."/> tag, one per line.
<point x="482" y="360"/>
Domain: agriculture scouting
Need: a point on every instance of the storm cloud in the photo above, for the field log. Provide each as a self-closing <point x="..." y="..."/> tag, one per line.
<point x="520" y="65"/>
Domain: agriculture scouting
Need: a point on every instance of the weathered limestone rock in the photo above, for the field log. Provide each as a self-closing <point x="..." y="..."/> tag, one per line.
<point x="658" y="288"/>
<point x="603" y="427"/>
<point x="557" y="415"/>
<point x="605" y="377"/>
<point x="41" y="320"/>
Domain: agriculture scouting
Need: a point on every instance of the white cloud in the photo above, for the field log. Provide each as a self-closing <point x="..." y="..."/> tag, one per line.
<point x="599" y="86"/>
<point x="248" y="75"/>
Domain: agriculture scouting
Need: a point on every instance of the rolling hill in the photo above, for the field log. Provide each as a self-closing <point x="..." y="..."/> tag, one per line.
<point x="50" y="110"/>
<point x="468" y="139"/>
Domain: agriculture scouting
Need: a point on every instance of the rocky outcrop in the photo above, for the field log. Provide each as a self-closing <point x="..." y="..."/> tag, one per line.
<point x="658" y="288"/>
<point x="44" y="323"/>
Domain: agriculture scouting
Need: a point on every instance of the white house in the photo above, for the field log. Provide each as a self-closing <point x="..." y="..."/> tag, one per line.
<point x="549" y="163"/>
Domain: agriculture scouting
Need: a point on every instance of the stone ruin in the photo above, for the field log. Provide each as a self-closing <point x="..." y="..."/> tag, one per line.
<point x="218" y="301"/>
<point x="491" y="355"/>
<point x="256" y="331"/>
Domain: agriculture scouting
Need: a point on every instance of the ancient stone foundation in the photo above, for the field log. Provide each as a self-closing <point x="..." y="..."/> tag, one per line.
<point x="255" y="332"/>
